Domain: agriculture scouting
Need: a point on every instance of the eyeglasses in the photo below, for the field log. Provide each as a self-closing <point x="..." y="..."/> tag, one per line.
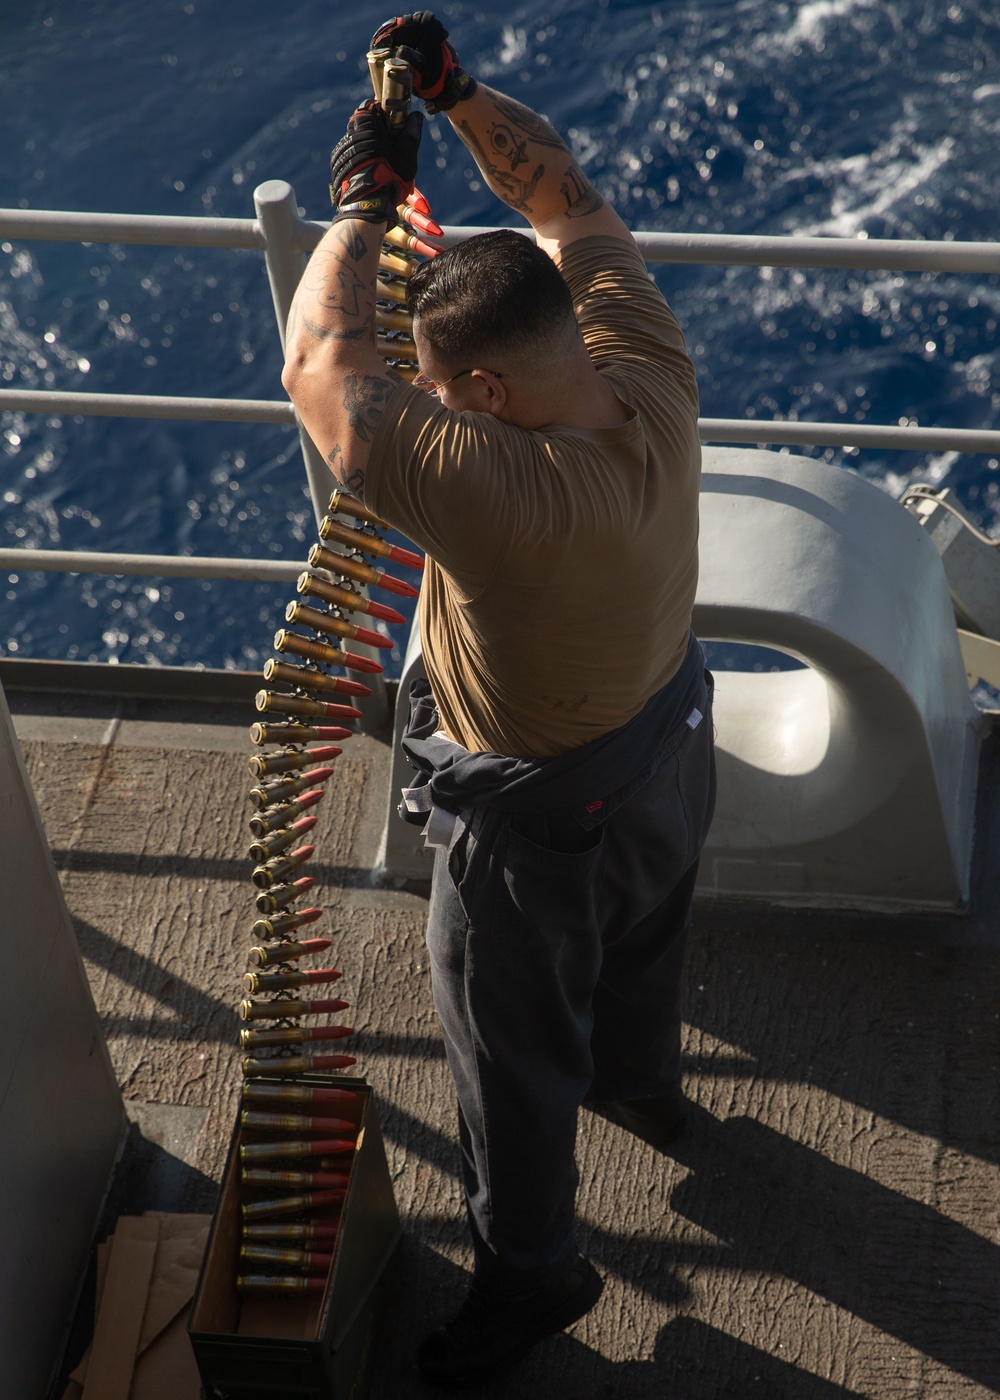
<point x="434" y="385"/>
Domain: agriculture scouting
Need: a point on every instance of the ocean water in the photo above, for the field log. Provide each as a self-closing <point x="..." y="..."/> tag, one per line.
<point x="843" y="117"/>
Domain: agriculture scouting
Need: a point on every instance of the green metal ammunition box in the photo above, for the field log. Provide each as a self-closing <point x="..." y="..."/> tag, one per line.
<point x="310" y="1346"/>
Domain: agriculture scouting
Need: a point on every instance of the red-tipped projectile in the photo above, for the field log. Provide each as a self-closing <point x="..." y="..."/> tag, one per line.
<point x="309" y="1260"/>
<point x="258" y="983"/>
<point x="418" y="201"/>
<point x="278" y="925"/>
<point x="268" y="701"/>
<point x="311" y="586"/>
<point x="285" y="1009"/>
<point x="261" y="1176"/>
<point x="331" y="529"/>
<point x="294" y="1122"/>
<point x="292" y="1148"/>
<point x="299" y="1093"/>
<point x="425" y="224"/>
<point x="273" y="1283"/>
<point x="334" y="563"/>
<point x="305" y="1233"/>
<point x="276" y="953"/>
<point x="308" y="679"/>
<point x="291" y="1205"/>
<point x="296" y="1064"/>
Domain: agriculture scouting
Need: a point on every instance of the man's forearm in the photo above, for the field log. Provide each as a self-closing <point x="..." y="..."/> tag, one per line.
<point x="333" y="373"/>
<point x="522" y="158"/>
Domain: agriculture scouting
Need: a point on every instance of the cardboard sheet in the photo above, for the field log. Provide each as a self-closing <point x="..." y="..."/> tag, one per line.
<point x="146" y="1276"/>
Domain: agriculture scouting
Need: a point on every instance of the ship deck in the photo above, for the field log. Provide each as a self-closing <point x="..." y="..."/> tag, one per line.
<point x="829" y="1226"/>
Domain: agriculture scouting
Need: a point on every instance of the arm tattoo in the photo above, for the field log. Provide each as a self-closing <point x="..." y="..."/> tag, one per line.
<point x="364" y="331"/>
<point x="527" y="122"/>
<point x="365" y="396"/>
<point x="506" y="144"/>
<point x="516" y="192"/>
<point x="335" y="461"/>
<point x="580" y="196"/>
<point x="335" y="286"/>
<point x="350" y="239"/>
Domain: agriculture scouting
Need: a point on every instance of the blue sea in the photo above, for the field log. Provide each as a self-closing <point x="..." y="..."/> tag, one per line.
<point x="843" y="117"/>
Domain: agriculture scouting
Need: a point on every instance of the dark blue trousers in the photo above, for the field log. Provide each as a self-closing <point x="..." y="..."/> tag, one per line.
<point x="556" y="956"/>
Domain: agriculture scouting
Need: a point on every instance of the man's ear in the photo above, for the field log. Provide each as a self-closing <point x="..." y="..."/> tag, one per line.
<point x="495" y="388"/>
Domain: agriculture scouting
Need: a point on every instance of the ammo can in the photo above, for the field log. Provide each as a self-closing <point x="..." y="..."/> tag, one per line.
<point x="314" y="1346"/>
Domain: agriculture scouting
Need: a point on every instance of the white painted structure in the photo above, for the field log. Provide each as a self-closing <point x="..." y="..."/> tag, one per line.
<point x="852" y="781"/>
<point x="61" y="1114"/>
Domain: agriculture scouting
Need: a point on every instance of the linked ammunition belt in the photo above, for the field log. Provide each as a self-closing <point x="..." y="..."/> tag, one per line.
<point x="298" y="1139"/>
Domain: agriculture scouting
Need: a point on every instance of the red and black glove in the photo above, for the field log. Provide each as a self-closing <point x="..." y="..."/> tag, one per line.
<point x="421" y="41"/>
<point x="373" y="168"/>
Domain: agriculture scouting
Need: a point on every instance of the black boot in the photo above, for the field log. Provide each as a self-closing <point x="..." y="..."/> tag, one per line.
<point x="492" y="1330"/>
<point x="660" y="1121"/>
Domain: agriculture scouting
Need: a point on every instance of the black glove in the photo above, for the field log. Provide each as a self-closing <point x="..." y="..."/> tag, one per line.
<point x="373" y="168"/>
<point x="421" y="41"/>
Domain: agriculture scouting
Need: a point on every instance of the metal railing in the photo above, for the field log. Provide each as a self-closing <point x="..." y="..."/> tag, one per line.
<point x="285" y="239"/>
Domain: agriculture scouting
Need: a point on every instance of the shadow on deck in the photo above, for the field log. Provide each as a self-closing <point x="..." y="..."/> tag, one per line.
<point x="829" y="1226"/>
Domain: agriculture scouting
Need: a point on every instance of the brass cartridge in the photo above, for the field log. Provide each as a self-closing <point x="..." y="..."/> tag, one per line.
<point x="309" y="585"/>
<point x="290" y="1035"/>
<point x="296" y="1064"/>
<point x="306" y="616"/>
<point x="277" y="871"/>
<point x="297" y="1093"/>
<point x="419" y="217"/>
<point x="290" y="760"/>
<point x="307" y="679"/>
<point x="363" y="543"/>
<point x="320" y="558"/>
<point x="305" y="1233"/>
<point x="262" y="734"/>
<point x="267" y="982"/>
<point x="274" y="702"/>
<point x="343" y="503"/>
<point x="399" y="237"/>
<point x="311" y="1261"/>
<point x="395" y="348"/>
<point x="282" y="789"/>
<point x="294" y="1122"/>
<point x="295" y="1148"/>
<point x="397" y="87"/>
<point x="390" y="291"/>
<point x="394" y="320"/>
<point x="282" y="924"/>
<point x="290" y="1205"/>
<point x="274" y="1283"/>
<point x="309" y="648"/>
<point x="401" y="264"/>
<point x="278" y="841"/>
<point x="295" y="1181"/>
<point x="280" y="953"/>
<point x="270" y="901"/>
<point x="263" y="822"/>
<point x="406" y="369"/>
<point x="283" y="1010"/>
<point x="377" y="59"/>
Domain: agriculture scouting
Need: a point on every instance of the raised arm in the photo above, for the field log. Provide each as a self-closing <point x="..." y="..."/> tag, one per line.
<point x="333" y="373"/>
<point x="522" y="158"/>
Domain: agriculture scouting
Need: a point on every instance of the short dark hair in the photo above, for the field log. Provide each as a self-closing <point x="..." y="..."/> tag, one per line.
<point x="496" y="296"/>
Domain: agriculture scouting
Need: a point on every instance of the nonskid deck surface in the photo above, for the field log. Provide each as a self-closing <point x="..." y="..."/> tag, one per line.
<point x="829" y="1227"/>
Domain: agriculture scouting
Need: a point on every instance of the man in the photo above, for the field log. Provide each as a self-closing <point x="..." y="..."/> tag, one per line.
<point x="552" y="477"/>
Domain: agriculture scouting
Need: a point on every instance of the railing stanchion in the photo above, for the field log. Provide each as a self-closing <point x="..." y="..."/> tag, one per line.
<point x="278" y="213"/>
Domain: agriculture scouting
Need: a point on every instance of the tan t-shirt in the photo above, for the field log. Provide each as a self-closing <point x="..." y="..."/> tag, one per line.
<point x="561" y="562"/>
